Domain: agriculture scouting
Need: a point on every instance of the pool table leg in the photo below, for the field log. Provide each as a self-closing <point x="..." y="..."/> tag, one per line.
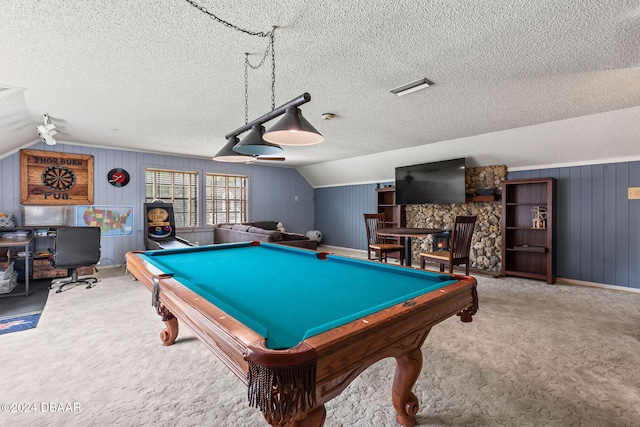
<point x="313" y="418"/>
<point x="407" y="371"/>
<point x="170" y="332"/>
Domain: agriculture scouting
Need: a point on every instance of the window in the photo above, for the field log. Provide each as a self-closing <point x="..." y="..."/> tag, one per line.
<point x="177" y="187"/>
<point x="226" y="198"/>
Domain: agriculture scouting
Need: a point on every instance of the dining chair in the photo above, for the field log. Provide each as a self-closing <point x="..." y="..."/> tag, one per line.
<point x="378" y="244"/>
<point x="459" y="246"/>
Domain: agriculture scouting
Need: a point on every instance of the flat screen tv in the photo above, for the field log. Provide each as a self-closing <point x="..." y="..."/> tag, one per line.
<point x="437" y="182"/>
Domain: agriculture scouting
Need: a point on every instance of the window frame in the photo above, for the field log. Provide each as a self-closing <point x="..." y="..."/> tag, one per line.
<point x="196" y="179"/>
<point x="210" y="200"/>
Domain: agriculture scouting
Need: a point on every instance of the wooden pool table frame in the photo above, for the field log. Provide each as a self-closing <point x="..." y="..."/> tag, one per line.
<point x="338" y="355"/>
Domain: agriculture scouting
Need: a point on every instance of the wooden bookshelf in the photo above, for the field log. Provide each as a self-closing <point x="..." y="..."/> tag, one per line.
<point x="394" y="215"/>
<point x="528" y="250"/>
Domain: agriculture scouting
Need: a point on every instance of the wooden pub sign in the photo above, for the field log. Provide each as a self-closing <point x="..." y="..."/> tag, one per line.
<point x="48" y="178"/>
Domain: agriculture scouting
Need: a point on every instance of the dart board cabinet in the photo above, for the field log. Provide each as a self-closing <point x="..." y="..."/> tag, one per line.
<point x="49" y="178"/>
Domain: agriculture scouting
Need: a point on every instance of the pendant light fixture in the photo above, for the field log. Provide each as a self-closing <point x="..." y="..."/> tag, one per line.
<point x="254" y="145"/>
<point x="293" y="129"/>
<point x="228" y="155"/>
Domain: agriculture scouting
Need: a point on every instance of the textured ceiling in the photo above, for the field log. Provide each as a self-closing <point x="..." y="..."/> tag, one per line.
<point x="160" y="75"/>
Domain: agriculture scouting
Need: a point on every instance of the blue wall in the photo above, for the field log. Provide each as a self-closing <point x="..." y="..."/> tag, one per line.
<point x="338" y="213"/>
<point x="598" y="228"/>
<point x="275" y="193"/>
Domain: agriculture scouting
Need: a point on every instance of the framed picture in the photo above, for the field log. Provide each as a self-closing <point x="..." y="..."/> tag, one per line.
<point x="112" y="220"/>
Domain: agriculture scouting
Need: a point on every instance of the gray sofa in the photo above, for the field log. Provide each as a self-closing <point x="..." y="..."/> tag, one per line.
<point x="264" y="231"/>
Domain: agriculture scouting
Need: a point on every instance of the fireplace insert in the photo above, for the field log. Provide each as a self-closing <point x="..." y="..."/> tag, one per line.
<point x="441" y="241"/>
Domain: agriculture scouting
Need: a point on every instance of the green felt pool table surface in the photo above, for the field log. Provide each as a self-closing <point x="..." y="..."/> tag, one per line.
<point x="288" y="294"/>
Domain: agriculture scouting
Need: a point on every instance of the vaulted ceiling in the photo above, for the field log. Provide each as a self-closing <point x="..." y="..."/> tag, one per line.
<point x="162" y="76"/>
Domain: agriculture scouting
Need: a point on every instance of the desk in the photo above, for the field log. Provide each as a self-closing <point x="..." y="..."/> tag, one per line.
<point x="406" y="234"/>
<point x="298" y="326"/>
<point x="21" y="241"/>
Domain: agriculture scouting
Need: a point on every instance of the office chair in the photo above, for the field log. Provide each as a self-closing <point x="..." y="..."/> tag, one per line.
<point x="460" y="246"/>
<point x="75" y="247"/>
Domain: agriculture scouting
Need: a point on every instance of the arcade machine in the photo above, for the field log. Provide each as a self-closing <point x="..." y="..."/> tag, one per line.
<point x="161" y="227"/>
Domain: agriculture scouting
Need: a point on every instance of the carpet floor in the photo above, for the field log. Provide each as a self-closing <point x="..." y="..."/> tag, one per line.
<point x="20" y="306"/>
<point x="535" y="355"/>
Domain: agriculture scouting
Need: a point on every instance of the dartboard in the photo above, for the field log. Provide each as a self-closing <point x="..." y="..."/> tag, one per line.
<point x="58" y="178"/>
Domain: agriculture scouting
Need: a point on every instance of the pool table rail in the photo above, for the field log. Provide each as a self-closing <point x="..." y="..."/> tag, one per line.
<point x="399" y="332"/>
<point x="223" y="335"/>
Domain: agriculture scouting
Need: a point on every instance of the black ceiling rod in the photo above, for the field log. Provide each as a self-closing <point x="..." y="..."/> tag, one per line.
<point x="302" y="99"/>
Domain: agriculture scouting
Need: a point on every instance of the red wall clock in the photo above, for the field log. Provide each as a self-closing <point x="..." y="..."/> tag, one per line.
<point x="118" y="177"/>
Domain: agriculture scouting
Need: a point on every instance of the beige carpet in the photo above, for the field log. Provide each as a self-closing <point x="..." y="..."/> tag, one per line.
<point x="535" y="355"/>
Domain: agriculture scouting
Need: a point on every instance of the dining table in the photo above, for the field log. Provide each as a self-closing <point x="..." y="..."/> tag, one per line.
<point x="406" y="234"/>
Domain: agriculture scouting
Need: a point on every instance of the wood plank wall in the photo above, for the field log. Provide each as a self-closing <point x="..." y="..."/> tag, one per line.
<point x="339" y="214"/>
<point x="598" y="228"/>
<point x="275" y="193"/>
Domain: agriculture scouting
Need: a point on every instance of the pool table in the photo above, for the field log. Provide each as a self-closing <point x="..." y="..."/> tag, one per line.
<point x="298" y="326"/>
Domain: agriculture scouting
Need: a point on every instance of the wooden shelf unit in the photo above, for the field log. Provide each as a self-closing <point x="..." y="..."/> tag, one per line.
<point x="395" y="215"/>
<point x="527" y="251"/>
<point x="491" y="198"/>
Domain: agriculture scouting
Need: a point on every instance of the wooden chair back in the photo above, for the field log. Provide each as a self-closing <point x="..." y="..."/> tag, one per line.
<point x="461" y="237"/>
<point x="373" y="222"/>
<point x="378" y="244"/>
<point x="459" y="246"/>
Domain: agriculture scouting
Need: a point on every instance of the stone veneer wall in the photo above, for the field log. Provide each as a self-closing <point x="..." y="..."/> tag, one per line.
<point x="487" y="236"/>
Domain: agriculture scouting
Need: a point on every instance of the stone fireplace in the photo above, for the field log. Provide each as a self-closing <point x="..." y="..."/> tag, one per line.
<point x="487" y="237"/>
